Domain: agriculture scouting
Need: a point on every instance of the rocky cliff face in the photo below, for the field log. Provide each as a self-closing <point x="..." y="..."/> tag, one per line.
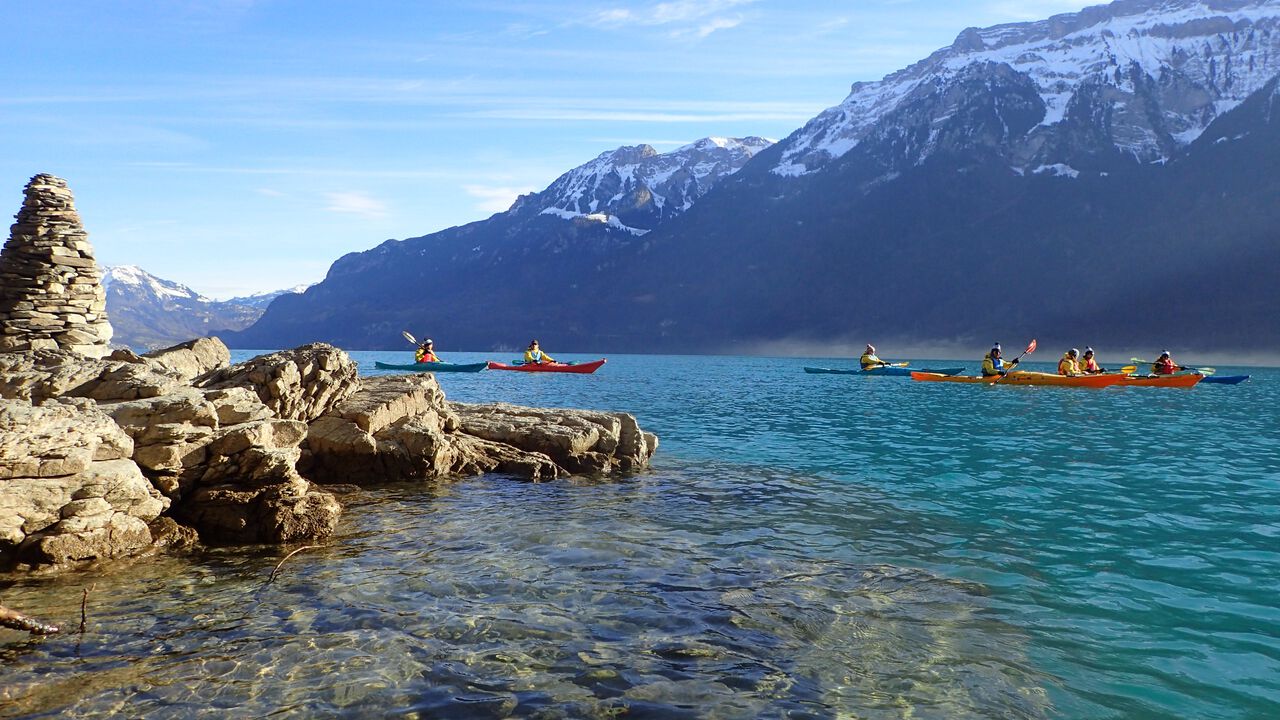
<point x="50" y="295"/>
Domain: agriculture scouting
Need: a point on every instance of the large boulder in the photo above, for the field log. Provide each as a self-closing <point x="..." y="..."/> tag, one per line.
<point x="299" y="384"/>
<point x="193" y="358"/>
<point x="68" y="490"/>
<point x="583" y="442"/>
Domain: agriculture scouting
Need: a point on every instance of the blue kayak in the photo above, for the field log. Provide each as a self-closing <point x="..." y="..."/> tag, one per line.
<point x="1224" y="379"/>
<point x="434" y="367"/>
<point x="894" y="371"/>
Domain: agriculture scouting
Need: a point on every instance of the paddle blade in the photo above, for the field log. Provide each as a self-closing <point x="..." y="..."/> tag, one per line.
<point x="1129" y="369"/>
<point x="408" y="337"/>
<point x="1205" y="371"/>
<point x="1140" y="361"/>
<point x="1030" y="348"/>
<point x="899" y="364"/>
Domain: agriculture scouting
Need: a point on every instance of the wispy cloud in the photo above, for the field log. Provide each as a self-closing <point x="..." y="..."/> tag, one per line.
<point x="269" y="192"/>
<point x="356" y="203"/>
<point x="495" y="199"/>
<point x="684" y="18"/>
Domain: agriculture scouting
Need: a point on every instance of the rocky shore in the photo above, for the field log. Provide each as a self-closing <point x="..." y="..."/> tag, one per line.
<point x="111" y="457"/>
<point x="106" y="454"/>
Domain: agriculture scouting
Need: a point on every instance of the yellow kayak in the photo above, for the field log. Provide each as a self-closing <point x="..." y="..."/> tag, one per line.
<point x="1027" y="377"/>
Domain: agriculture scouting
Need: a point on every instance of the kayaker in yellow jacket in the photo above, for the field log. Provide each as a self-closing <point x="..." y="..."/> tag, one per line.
<point x="534" y="355"/>
<point x="993" y="364"/>
<point x="426" y="353"/>
<point x="1069" y="365"/>
<point x="869" y="361"/>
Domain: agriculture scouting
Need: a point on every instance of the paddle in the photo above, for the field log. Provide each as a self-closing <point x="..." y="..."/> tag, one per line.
<point x="1030" y="349"/>
<point x="1201" y="370"/>
<point x="408" y="337"/>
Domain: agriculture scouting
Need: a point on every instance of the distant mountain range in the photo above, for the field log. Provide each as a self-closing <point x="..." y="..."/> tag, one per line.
<point x="1107" y="176"/>
<point x="148" y="312"/>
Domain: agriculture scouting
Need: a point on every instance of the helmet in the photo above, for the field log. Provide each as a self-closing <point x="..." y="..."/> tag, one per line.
<point x="1073" y="352"/>
<point x="871" y="348"/>
<point x="1164" y="354"/>
<point x="1088" y="351"/>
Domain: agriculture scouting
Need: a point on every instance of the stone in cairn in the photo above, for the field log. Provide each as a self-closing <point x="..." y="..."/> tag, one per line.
<point x="51" y="294"/>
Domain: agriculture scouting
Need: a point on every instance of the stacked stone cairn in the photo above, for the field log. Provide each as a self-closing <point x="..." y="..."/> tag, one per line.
<point x="51" y="296"/>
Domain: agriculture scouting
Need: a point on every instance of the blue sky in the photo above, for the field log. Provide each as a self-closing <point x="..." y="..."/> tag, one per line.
<point x="239" y="146"/>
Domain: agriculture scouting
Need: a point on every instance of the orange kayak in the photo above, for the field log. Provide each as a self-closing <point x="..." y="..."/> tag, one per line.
<point x="1178" y="381"/>
<point x="1027" y="377"/>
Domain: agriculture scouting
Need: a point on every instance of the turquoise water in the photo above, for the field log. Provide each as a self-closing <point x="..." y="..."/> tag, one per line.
<point x="804" y="546"/>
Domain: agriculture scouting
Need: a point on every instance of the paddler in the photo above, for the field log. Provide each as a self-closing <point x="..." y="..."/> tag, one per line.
<point x="534" y="355"/>
<point x="869" y="361"/>
<point x="426" y="353"/>
<point x="1069" y="365"/>
<point x="1164" y="365"/>
<point x="993" y="364"/>
<point x="1089" y="364"/>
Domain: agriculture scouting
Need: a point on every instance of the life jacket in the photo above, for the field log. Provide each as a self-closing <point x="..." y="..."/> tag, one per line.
<point x="869" y="360"/>
<point x="537" y="356"/>
<point x="1091" y="365"/>
<point x="1068" y="365"/>
<point x="992" y="366"/>
<point x="425" y="356"/>
<point x="1164" y="367"/>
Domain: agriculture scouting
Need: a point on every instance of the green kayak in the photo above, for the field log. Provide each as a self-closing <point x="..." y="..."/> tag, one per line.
<point x="434" y="367"/>
<point x="895" y="371"/>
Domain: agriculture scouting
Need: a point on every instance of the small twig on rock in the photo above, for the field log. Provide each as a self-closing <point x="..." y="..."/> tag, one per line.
<point x="286" y="557"/>
<point x="84" y="605"/>
<point x="18" y="621"/>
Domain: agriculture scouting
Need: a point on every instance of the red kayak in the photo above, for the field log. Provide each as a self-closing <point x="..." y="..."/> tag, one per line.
<point x="581" y="368"/>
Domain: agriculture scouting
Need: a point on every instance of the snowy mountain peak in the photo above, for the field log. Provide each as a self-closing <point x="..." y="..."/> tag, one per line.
<point x="634" y="188"/>
<point x="140" y="281"/>
<point x="1141" y="77"/>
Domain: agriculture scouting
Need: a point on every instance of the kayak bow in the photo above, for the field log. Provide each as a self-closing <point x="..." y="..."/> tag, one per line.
<point x="894" y="371"/>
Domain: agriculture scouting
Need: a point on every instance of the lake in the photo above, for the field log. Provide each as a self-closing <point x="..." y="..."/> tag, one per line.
<point x="804" y="546"/>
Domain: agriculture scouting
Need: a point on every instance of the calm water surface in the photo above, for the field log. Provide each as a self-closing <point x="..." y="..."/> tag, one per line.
<point x="804" y="546"/>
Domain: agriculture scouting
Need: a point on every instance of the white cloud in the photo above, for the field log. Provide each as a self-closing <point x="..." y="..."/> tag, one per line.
<point x="268" y="192"/>
<point x="495" y="199"/>
<point x="356" y="203"/>
<point x="687" y="18"/>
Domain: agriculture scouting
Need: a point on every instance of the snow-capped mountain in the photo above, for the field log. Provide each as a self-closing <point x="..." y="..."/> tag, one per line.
<point x="149" y="312"/>
<point x="635" y="188"/>
<point x="1137" y="78"/>
<point x="262" y="300"/>
<point x="1105" y="176"/>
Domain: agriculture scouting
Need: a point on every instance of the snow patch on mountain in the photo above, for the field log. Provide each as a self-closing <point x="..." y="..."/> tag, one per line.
<point x="634" y="188"/>
<point x="1195" y="60"/>
<point x="605" y="218"/>
<point x="140" y="281"/>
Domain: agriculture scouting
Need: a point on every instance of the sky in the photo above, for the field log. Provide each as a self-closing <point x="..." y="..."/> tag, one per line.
<point x="242" y="146"/>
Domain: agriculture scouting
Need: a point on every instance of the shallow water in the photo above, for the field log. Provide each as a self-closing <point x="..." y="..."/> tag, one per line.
<point x="804" y="546"/>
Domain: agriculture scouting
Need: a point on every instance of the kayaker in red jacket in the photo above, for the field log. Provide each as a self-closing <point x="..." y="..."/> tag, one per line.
<point x="1164" y="365"/>
<point x="1089" y="365"/>
<point x="425" y="353"/>
<point x="535" y="356"/>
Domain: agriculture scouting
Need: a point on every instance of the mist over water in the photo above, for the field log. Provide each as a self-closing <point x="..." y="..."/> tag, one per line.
<point x="805" y="545"/>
